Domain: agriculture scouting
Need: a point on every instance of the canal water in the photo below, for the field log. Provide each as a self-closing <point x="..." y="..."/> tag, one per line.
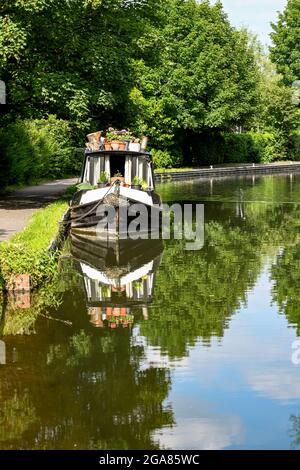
<point x="171" y="348"/>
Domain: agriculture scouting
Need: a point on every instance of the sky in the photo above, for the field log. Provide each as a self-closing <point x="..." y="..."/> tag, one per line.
<point x="240" y="391"/>
<point x="255" y="14"/>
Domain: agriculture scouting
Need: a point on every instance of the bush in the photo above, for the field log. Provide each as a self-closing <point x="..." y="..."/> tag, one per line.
<point x="250" y="147"/>
<point x="236" y="148"/>
<point x="230" y="147"/>
<point x="294" y="150"/>
<point x="164" y="159"/>
<point x="262" y="147"/>
<point x="204" y="149"/>
<point x="35" y="149"/>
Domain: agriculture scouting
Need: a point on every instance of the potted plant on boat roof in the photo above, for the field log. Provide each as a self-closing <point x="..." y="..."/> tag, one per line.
<point x="135" y="145"/>
<point x="112" y="137"/>
<point x="117" y="176"/>
<point x="103" y="180"/>
<point x="107" y="144"/>
<point x="137" y="183"/>
<point x="124" y="139"/>
<point x="119" y="140"/>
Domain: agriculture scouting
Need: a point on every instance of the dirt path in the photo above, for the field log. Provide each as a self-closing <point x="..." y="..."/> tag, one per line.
<point x="17" y="207"/>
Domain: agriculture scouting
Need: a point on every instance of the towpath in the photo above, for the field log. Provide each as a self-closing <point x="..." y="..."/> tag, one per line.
<point x="17" y="207"/>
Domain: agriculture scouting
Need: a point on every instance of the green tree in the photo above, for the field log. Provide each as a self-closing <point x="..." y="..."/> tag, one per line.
<point x="71" y="59"/>
<point x="203" y="78"/>
<point x="173" y="69"/>
<point x="276" y="111"/>
<point x="286" y="39"/>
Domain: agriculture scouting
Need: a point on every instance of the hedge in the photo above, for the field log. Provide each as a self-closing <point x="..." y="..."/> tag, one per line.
<point x="229" y="147"/>
<point x="31" y="150"/>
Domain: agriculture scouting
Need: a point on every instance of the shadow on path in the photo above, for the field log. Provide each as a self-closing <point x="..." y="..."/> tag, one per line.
<point x="35" y="196"/>
<point x="17" y="207"/>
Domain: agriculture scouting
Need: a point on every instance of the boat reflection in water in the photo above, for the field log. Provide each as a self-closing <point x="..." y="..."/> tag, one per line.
<point x="118" y="277"/>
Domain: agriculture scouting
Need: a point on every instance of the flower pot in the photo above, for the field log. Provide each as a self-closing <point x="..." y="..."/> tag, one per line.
<point x="134" y="147"/>
<point x="144" y="143"/>
<point x="119" y="178"/>
<point x="136" y="186"/>
<point x="94" y="137"/>
<point x="107" y="146"/>
<point x="93" y="146"/>
<point x="101" y="185"/>
<point x="122" y="145"/>
<point x="115" y="144"/>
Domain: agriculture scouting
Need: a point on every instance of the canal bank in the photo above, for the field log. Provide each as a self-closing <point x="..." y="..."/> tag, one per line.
<point x="17" y="207"/>
<point x="30" y="231"/>
<point x="221" y="171"/>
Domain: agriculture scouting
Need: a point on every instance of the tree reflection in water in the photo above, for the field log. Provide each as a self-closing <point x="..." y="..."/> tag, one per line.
<point x="85" y="390"/>
<point x="286" y="276"/>
<point x="88" y="385"/>
<point x="295" y="431"/>
<point x="79" y="386"/>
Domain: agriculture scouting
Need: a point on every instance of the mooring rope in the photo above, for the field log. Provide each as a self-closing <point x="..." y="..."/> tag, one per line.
<point x="94" y="207"/>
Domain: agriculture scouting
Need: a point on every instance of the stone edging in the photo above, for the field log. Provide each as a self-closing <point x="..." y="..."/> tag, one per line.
<point x="62" y="233"/>
<point x="244" y="170"/>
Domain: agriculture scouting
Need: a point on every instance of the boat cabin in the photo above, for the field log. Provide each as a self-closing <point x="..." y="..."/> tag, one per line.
<point x="122" y="165"/>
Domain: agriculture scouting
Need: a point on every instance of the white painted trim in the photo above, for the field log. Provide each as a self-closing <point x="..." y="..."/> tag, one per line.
<point x="95" y="195"/>
<point x="100" y="276"/>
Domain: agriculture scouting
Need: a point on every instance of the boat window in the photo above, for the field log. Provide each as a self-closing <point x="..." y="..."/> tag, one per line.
<point x="90" y="170"/>
<point x="94" y="166"/>
<point x="140" y="167"/>
<point x="117" y="164"/>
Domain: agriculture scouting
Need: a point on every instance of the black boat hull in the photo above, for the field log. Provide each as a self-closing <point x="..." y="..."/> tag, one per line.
<point x="91" y="218"/>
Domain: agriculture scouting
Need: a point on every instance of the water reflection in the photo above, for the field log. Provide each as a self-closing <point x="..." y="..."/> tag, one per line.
<point x="295" y="431"/>
<point x="129" y="348"/>
<point x="2" y="352"/>
<point x="83" y="391"/>
<point x="70" y="386"/>
<point x="286" y="275"/>
<point x="118" y="277"/>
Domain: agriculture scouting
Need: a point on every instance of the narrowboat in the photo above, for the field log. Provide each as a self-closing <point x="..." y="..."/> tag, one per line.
<point x="119" y="179"/>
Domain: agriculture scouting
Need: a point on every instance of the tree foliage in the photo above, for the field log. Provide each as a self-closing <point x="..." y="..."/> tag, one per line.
<point x="69" y="58"/>
<point x="33" y="149"/>
<point x="202" y="77"/>
<point x="277" y="112"/>
<point x="286" y="39"/>
<point x="175" y="70"/>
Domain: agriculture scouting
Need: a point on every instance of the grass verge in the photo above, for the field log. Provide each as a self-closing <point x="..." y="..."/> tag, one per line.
<point x="171" y="170"/>
<point x="27" y="251"/>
